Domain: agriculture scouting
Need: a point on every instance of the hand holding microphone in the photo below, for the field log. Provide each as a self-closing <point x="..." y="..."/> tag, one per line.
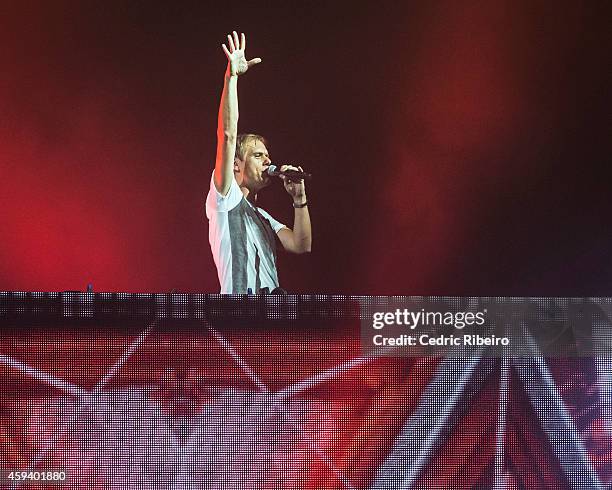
<point x="293" y="180"/>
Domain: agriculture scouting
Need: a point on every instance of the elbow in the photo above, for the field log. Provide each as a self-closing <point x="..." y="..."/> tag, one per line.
<point x="227" y="136"/>
<point x="299" y="250"/>
<point x="306" y="248"/>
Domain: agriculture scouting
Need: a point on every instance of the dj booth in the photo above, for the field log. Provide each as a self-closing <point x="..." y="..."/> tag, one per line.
<point x="147" y="391"/>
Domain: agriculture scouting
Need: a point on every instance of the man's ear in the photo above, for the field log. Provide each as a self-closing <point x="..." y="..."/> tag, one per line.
<point x="236" y="166"/>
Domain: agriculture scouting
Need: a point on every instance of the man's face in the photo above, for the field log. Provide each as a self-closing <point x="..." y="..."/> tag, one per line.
<point x="251" y="170"/>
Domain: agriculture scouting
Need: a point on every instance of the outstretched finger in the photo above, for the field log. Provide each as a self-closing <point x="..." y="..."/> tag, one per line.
<point x="254" y="61"/>
<point x="236" y="40"/>
<point x="227" y="53"/>
<point x="242" y="41"/>
<point x="231" y="43"/>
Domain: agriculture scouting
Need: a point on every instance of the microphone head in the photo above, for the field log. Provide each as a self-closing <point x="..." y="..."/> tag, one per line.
<point x="273" y="171"/>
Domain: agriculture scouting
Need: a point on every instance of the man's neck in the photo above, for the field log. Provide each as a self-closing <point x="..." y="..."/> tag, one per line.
<point x="249" y="195"/>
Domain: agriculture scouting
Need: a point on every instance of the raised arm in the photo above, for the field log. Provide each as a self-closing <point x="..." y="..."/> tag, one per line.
<point x="227" y="125"/>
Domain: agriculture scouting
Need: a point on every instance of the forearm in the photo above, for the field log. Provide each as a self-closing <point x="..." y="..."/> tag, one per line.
<point x="227" y="131"/>
<point x="227" y="124"/>
<point x="302" y="231"/>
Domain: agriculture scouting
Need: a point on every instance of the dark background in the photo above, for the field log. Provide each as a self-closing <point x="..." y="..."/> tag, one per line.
<point x="458" y="147"/>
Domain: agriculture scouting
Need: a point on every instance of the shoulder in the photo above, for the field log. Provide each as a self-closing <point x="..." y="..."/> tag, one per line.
<point x="216" y="202"/>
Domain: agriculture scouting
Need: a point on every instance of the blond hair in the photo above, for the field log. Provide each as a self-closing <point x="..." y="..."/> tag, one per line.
<point x="243" y="140"/>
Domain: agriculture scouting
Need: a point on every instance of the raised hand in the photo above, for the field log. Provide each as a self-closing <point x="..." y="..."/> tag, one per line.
<point x="237" y="63"/>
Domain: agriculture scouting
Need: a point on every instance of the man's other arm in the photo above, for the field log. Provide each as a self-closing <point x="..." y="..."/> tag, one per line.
<point x="299" y="239"/>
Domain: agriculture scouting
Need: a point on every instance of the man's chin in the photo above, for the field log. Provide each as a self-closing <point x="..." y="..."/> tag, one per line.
<point x="257" y="186"/>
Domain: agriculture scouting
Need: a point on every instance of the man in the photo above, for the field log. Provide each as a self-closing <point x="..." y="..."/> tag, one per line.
<point x="242" y="236"/>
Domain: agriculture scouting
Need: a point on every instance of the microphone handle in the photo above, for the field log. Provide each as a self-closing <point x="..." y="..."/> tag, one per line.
<point x="296" y="175"/>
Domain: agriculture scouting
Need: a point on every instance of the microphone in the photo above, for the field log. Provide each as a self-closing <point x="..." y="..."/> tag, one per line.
<point x="274" y="171"/>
